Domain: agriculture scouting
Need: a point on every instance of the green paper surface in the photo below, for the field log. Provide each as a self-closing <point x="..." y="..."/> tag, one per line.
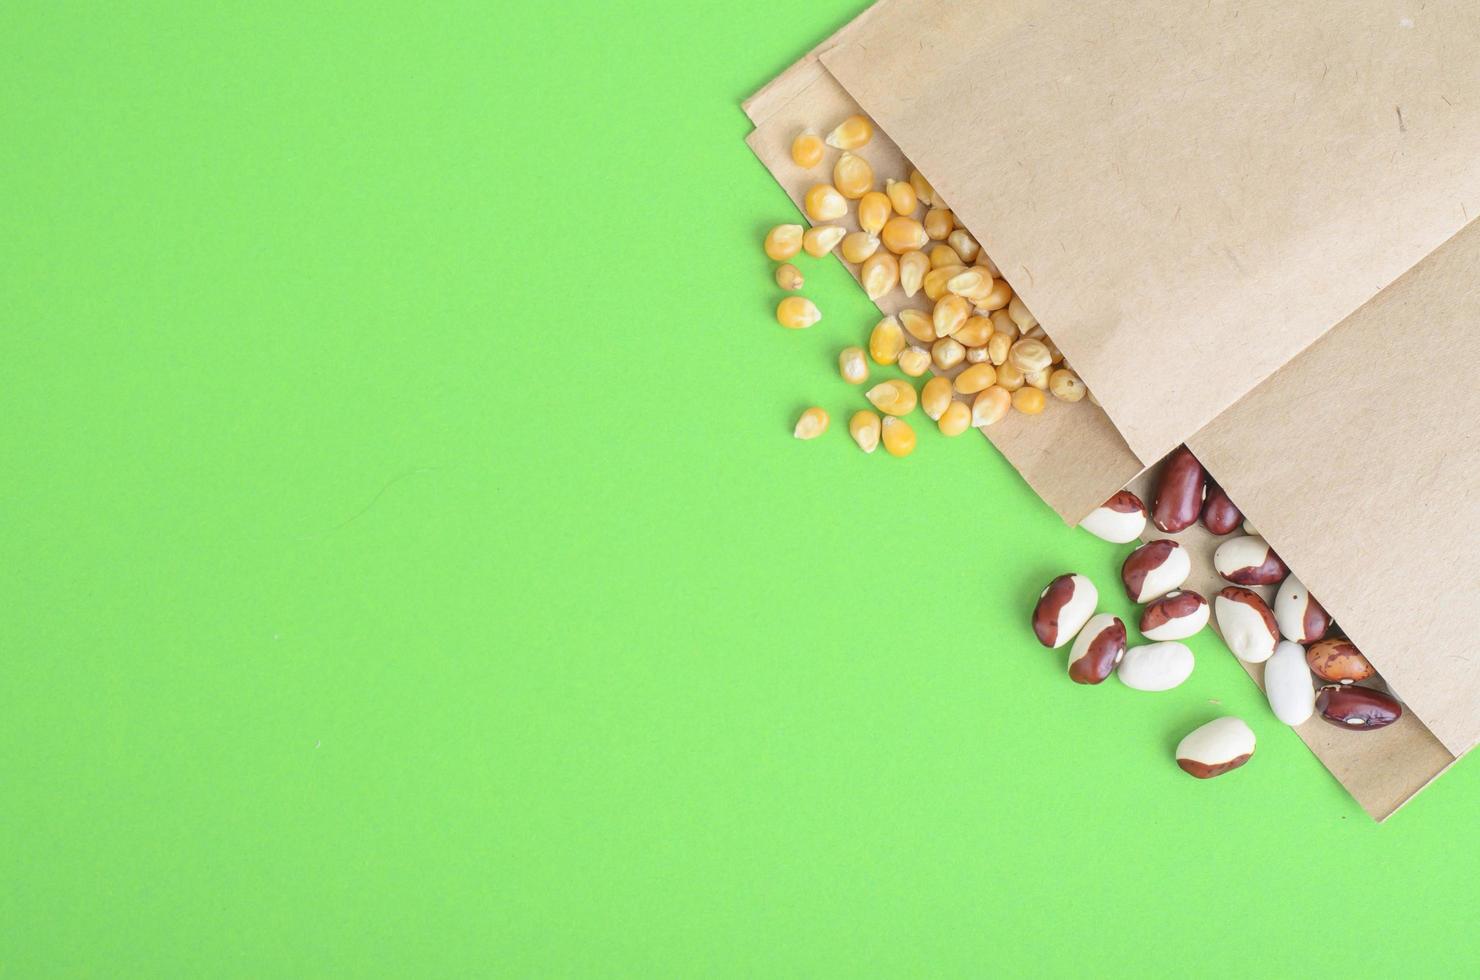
<point x="406" y="568"/>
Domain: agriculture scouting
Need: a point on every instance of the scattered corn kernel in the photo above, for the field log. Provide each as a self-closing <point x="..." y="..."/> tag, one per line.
<point x="899" y="438"/>
<point x="1036" y="332"/>
<point x="818" y="240"/>
<point x="975" y="332"/>
<point x="1009" y="377"/>
<point x="797" y="313"/>
<point x="1037" y="379"/>
<point x="1029" y="355"/>
<point x="902" y="196"/>
<point x="783" y="241"/>
<point x="999" y="345"/>
<point x="986" y="260"/>
<point x="807" y="149"/>
<point x="851" y="133"/>
<point x="935" y="397"/>
<point x="936" y="280"/>
<point x="951" y="313"/>
<point x="903" y="234"/>
<point x="858" y="245"/>
<point x="1029" y="401"/>
<point x="880" y="274"/>
<point x="914" y="361"/>
<point x="943" y="255"/>
<point x="1021" y="315"/>
<point x="956" y="420"/>
<point x="852" y="365"/>
<point x="999" y="297"/>
<point x="788" y="276"/>
<point x="974" y="284"/>
<point x="1055" y="355"/>
<point x="913" y="266"/>
<point x="1065" y="385"/>
<point x="886" y="341"/>
<point x="991" y="406"/>
<point x="939" y="223"/>
<point x="812" y="424"/>
<point x="873" y="210"/>
<point x="919" y="324"/>
<point x="893" y="397"/>
<point x="978" y="377"/>
<point x="965" y="245"/>
<point x="977" y="355"/>
<point x="923" y="191"/>
<point x="852" y="176"/>
<point x="823" y="203"/>
<point x="947" y="352"/>
<point x="864" y="428"/>
<point x="1002" y="324"/>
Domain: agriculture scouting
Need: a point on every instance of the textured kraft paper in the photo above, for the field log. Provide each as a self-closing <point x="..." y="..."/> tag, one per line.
<point x="1173" y="183"/>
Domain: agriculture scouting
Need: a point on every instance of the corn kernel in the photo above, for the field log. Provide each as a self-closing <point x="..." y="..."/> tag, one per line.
<point x="1029" y="355"/>
<point x="864" y="428"/>
<point x="873" y="210"/>
<point x="999" y="345"/>
<point x="942" y="256"/>
<point x="788" y="276"/>
<point x="880" y="274"/>
<point x="1037" y="379"/>
<point x="947" y="352"/>
<point x="991" y="406"/>
<point x="1065" y="385"/>
<point x="886" y="341"/>
<point x="797" y="313"/>
<point x="893" y="397"/>
<point x="818" y="240"/>
<point x="783" y="241"/>
<point x="912" y="268"/>
<point x="899" y="438"/>
<point x="812" y="424"/>
<point x="919" y="324"/>
<point x="965" y="245"/>
<point x="956" y="420"/>
<point x="858" y="245"/>
<point x="914" y="361"/>
<point x="1029" y="401"/>
<point x="935" y="396"/>
<point x="977" y="355"/>
<point x="978" y="377"/>
<point x="939" y="223"/>
<point x="986" y="260"/>
<point x="975" y="332"/>
<point x="1035" y="332"/>
<point x="1010" y="377"/>
<point x="1020" y="314"/>
<point x="902" y="196"/>
<point x="852" y="176"/>
<point x="851" y="133"/>
<point x="852" y="365"/>
<point x="903" y="234"/>
<point x="936" y="279"/>
<point x="823" y="203"/>
<point x="1003" y="325"/>
<point x="1055" y="355"/>
<point x="923" y="191"/>
<point x="973" y="284"/>
<point x="807" y="150"/>
<point x="951" y="313"/>
<point x="999" y="297"/>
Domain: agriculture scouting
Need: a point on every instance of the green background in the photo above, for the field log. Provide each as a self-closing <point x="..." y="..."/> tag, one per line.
<point x="407" y="568"/>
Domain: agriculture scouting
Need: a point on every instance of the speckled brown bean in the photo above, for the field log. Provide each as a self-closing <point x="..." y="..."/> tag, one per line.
<point x="1179" y="493"/>
<point x="1339" y="661"/>
<point x="1357" y="708"/>
<point x="1219" y="515"/>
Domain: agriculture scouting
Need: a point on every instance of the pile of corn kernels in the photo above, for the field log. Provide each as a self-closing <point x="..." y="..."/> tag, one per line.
<point x="980" y="339"/>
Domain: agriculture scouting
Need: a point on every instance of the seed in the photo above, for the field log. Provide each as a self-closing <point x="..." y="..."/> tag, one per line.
<point x="1009" y="376"/>
<point x="978" y="377"/>
<point x="902" y="196"/>
<point x="797" y="313"/>
<point x="965" y="245"/>
<point x="943" y="255"/>
<point x="864" y="428"/>
<point x="1029" y="355"/>
<point x="1002" y="324"/>
<point x="975" y="332"/>
<point x="852" y="365"/>
<point x="886" y="341"/>
<point x="999" y="297"/>
<point x="824" y="203"/>
<point x="935" y="397"/>
<point x="903" y="234"/>
<point x="912" y="268"/>
<point x="1066" y="386"/>
<point x="783" y="241"/>
<point x="956" y="420"/>
<point x="873" y="210"/>
<point x="998" y="347"/>
<point x="947" y="352"/>
<point x="935" y="280"/>
<point x="914" y="361"/>
<point x="1056" y="355"/>
<point x="977" y="355"/>
<point x="919" y="324"/>
<point x="974" y="284"/>
<point x="923" y="191"/>
<point x="1020" y="314"/>
<point x="812" y="424"/>
<point x="939" y="223"/>
<point x="858" y="245"/>
<point x="990" y="406"/>
<point x="1037" y="379"/>
<point x="818" y="240"/>
<point x="851" y="133"/>
<point x="899" y="438"/>
<point x="893" y="397"/>
<point x="788" y="276"/>
<point x="807" y="149"/>
<point x="880" y="274"/>
<point x="852" y="176"/>
<point x="1029" y="401"/>
<point x="951" y="312"/>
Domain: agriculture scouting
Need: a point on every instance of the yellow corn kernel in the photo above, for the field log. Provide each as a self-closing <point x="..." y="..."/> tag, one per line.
<point x="893" y="397"/>
<point x="951" y="313"/>
<point x="886" y="341"/>
<point x="873" y="210"/>
<point x="919" y="324"/>
<point x="1037" y="379"/>
<point x="1035" y="332"/>
<point x="986" y="260"/>
<point x="912" y="268"/>
<point x="783" y="241"/>
<point x="914" y="361"/>
<point x="880" y="273"/>
<point x="1010" y="377"/>
<point x="788" y="276"/>
<point x="1029" y="401"/>
<point x="852" y="365"/>
<point x="1029" y="355"/>
<point x="902" y="196"/>
<point x="947" y="352"/>
<point x="977" y="355"/>
<point x="935" y="397"/>
<point x="975" y="332"/>
<point x="851" y="133"/>
<point x="1065" y="385"/>
<point x="818" y="240"/>
<point x="935" y="280"/>
<point x="974" y="284"/>
<point x="991" y="406"/>
<point x="923" y="191"/>
<point x="812" y="424"/>
<point x="1021" y="315"/>
<point x="899" y="438"/>
<point x="956" y="420"/>
<point x="978" y="377"/>
<point x="797" y="313"/>
<point x="864" y="428"/>
<point x="852" y="176"/>
<point x="1003" y="325"/>
<point x="1055" y="355"/>
<point x="903" y="234"/>
<point x="964" y="244"/>
<point x="999" y="345"/>
<point x="807" y="150"/>
<point x="939" y="223"/>
<point x="999" y="297"/>
<point x="942" y="256"/>
<point x="823" y="203"/>
<point x="858" y="245"/>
